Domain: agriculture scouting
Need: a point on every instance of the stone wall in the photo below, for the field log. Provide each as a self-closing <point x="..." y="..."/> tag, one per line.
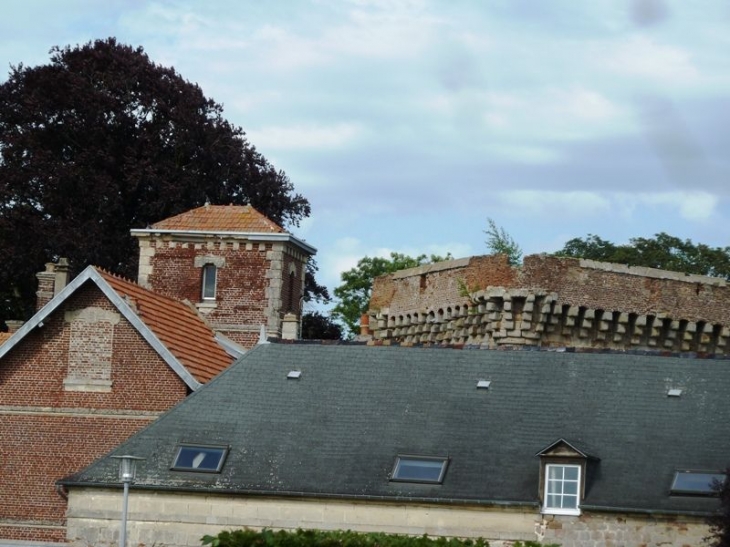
<point x="181" y="519"/>
<point x="604" y="530"/>
<point x="552" y="302"/>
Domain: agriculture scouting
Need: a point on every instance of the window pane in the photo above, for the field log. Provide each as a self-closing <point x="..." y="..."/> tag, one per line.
<point x="570" y="487"/>
<point x="570" y="473"/>
<point x="570" y="502"/>
<point x="555" y="472"/>
<point x="200" y="458"/>
<point x="419" y="470"/>
<point x="209" y="275"/>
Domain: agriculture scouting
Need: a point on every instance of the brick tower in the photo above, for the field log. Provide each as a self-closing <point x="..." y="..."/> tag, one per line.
<point x="237" y="267"/>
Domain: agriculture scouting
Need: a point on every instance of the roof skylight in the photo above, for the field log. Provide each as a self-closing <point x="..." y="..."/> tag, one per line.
<point x="425" y="469"/>
<point x="674" y="392"/>
<point x="483" y="384"/>
<point x="695" y="483"/>
<point x="294" y="374"/>
<point x="200" y="458"/>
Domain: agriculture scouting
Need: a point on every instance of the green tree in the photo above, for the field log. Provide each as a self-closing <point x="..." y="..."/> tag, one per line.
<point x="353" y="294"/>
<point x="500" y="242"/>
<point x="101" y="140"/>
<point x="662" y="251"/>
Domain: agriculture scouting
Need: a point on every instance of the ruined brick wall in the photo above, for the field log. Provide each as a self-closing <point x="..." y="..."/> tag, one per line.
<point x="438" y="286"/>
<point x="50" y="427"/>
<point x="252" y="287"/>
<point x="552" y="301"/>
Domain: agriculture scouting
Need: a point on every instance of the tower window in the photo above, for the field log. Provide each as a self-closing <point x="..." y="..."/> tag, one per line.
<point x="209" y="281"/>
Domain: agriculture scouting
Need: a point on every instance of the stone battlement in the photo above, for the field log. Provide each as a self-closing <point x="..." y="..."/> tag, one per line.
<point x="552" y="302"/>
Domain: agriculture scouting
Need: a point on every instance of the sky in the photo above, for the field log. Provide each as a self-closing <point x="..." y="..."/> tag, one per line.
<point x="408" y="123"/>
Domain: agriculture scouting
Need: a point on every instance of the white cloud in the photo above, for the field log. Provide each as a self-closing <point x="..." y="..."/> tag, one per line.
<point x="556" y="203"/>
<point x="643" y="57"/>
<point x="691" y="206"/>
<point x="305" y="137"/>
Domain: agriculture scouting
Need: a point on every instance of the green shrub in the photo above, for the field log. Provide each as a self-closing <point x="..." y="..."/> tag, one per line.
<point x="316" y="538"/>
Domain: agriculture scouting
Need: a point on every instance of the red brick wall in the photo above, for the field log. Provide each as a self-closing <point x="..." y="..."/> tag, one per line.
<point x="241" y="283"/>
<point x="47" y="433"/>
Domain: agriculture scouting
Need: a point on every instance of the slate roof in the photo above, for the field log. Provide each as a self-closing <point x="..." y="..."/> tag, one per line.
<point x="220" y="218"/>
<point x="336" y="431"/>
<point x="172" y="328"/>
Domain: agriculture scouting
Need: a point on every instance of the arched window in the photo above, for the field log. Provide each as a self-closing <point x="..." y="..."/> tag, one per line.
<point x="209" y="281"/>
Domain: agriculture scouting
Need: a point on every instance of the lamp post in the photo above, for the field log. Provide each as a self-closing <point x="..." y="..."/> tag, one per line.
<point x="127" y="472"/>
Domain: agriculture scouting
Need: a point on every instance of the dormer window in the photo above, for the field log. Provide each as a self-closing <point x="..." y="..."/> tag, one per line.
<point x="563" y="469"/>
<point x="210" y="272"/>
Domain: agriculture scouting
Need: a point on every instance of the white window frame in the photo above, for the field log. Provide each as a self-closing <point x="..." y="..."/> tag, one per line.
<point x="206" y="269"/>
<point x="546" y="509"/>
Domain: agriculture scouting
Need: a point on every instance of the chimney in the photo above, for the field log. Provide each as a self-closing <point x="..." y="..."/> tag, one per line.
<point x="51" y="281"/>
<point x="290" y="327"/>
<point x="13" y="325"/>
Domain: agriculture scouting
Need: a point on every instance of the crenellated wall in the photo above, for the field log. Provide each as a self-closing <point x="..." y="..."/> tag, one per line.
<point x="552" y="302"/>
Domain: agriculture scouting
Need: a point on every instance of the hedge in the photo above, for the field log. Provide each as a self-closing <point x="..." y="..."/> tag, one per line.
<point x="317" y="538"/>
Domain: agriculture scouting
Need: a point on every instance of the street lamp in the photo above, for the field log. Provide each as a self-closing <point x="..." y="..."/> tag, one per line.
<point x="127" y="471"/>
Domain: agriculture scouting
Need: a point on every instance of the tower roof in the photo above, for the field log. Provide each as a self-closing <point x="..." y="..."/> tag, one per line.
<point x="220" y="218"/>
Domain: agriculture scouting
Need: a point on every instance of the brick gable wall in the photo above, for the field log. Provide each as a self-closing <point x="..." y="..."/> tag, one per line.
<point x="48" y="431"/>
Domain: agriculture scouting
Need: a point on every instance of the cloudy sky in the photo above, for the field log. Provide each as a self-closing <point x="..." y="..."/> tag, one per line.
<point x="407" y="123"/>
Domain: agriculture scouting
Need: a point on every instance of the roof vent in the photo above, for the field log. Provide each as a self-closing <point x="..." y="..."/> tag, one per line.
<point x="294" y="374"/>
<point x="483" y="384"/>
<point x="674" y="392"/>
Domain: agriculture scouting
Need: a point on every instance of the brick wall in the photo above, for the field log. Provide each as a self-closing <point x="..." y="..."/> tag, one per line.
<point x="253" y="281"/>
<point x="552" y="301"/>
<point x="48" y="431"/>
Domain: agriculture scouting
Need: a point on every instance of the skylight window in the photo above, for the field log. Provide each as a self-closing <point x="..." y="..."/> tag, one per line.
<point x="693" y="483"/>
<point x="483" y="384"/>
<point x="424" y="469"/>
<point x="200" y="458"/>
<point x="294" y="374"/>
<point x="674" y="392"/>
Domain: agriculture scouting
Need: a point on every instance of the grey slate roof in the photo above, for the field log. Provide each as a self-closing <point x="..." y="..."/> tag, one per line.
<point x="336" y="430"/>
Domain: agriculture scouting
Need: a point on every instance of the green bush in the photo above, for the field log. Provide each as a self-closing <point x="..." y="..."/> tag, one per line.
<point x="316" y="538"/>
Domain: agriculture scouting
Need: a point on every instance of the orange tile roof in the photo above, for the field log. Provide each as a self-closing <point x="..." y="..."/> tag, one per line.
<point x="177" y="326"/>
<point x="221" y="218"/>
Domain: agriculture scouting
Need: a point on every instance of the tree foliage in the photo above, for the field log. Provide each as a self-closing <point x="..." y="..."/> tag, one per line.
<point x="720" y="521"/>
<point x="353" y="294"/>
<point x="662" y="251"/>
<point x="318" y="326"/>
<point x="101" y="140"/>
<point x="500" y="242"/>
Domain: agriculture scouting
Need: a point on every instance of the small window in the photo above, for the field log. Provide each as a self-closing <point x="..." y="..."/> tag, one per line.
<point x="203" y="459"/>
<point x="419" y="469"/>
<point x="209" y="281"/>
<point x="692" y="483"/>
<point x="562" y="489"/>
